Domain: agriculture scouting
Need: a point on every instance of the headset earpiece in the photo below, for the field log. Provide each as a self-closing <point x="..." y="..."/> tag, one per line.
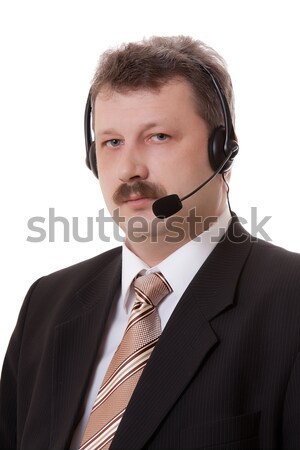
<point x="92" y="160"/>
<point x="217" y="151"/>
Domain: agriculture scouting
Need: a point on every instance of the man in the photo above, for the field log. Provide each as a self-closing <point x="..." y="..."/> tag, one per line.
<point x="213" y="361"/>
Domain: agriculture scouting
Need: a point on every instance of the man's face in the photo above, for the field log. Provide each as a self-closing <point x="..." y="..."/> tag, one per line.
<point x="150" y="144"/>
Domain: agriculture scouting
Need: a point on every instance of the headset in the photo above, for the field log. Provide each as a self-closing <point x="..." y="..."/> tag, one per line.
<point x="222" y="144"/>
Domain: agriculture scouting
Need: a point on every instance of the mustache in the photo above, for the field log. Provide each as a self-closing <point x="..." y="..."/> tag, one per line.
<point x="144" y="189"/>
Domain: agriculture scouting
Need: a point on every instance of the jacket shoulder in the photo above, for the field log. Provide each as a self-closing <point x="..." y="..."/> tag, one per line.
<point x="275" y="257"/>
<point x="86" y="269"/>
<point x="274" y="271"/>
<point x="61" y="286"/>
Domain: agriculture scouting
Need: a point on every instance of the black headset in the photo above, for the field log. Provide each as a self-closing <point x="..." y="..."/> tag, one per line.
<point x="222" y="142"/>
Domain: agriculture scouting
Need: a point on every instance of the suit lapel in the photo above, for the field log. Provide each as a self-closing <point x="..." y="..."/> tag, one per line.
<point x="186" y="340"/>
<point x="76" y="345"/>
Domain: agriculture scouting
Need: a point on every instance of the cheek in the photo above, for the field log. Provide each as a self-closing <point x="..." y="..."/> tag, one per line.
<point x="107" y="185"/>
<point x="190" y="165"/>
<point x="106" y="172"/>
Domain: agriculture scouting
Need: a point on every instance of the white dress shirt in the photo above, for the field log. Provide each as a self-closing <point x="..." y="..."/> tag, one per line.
<point x="179" y="269"/>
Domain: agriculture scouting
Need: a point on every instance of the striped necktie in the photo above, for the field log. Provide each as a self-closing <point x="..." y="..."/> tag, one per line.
<point x="141" y="334"/>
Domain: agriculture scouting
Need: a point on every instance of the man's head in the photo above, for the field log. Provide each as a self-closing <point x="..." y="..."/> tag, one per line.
<point x="153" y="112"/>
<point x="149" y="64"/>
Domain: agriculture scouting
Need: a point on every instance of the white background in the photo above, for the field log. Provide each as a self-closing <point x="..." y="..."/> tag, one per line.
<point x="49" y="50"/>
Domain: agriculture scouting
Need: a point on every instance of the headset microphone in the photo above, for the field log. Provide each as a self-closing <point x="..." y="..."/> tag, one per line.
<point x="166" y="206"/>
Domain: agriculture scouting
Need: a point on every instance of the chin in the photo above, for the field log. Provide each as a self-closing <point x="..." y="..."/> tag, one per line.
<point x="143" y="227"/>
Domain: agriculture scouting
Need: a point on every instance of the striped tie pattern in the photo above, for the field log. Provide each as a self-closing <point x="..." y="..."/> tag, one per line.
<point x="141" y="334"/>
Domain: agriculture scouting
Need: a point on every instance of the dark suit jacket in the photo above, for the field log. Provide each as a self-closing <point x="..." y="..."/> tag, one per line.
<point x="225" y="373"/>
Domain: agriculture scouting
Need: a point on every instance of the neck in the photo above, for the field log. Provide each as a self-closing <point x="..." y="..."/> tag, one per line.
<point x="152" y="253"/>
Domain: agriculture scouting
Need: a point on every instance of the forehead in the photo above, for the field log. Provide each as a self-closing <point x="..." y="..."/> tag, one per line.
<point x="173" y="98"/>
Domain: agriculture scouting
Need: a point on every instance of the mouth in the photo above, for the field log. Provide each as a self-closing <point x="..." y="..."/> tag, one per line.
<point x="136" y="201"/>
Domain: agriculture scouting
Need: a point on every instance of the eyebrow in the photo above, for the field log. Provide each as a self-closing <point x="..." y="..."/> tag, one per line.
<point x="145" y="126"/>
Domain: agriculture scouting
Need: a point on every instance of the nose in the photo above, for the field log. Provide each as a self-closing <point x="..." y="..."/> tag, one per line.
<point x="132" y="165"/>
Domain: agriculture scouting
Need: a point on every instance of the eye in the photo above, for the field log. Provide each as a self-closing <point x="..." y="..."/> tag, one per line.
<point x="113" y="143"/>
<point x="160" y="137"/>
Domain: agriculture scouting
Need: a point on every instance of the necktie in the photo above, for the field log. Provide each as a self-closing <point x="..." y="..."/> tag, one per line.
<point x="141" y="334"/>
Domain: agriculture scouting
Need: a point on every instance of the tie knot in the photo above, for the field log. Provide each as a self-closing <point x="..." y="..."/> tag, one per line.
<point x="152" y="288"/>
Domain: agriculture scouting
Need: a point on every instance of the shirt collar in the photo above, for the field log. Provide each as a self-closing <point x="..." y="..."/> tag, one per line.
<point x="175" y="268"/>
